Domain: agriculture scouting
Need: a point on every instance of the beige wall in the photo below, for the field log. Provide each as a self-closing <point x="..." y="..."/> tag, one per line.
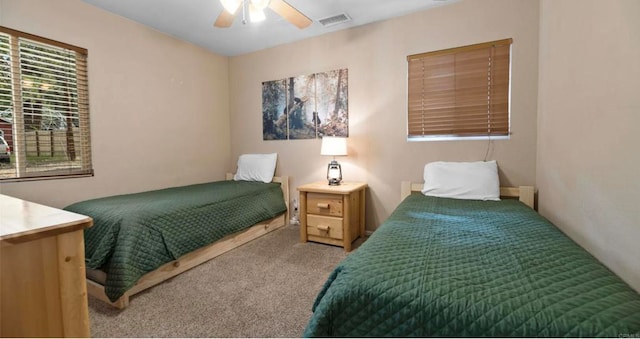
<point x="376" y="58"/>
<point x="589" y="127"/>
<point x="158" y="106"/>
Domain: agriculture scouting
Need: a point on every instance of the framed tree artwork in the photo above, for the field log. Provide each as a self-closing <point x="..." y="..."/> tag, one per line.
<point x="306" y="106"/>
<point x="274" y="110"/>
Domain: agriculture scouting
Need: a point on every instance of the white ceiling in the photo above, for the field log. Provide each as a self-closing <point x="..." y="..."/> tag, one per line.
<point x="192" y="20"/>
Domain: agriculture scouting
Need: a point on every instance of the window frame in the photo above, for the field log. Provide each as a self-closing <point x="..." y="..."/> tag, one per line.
<point x="70" y="168"/>
<point x="451" y="73"/>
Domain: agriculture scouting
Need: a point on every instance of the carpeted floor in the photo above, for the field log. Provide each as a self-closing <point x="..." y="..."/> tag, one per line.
<point x="262" y="289"/>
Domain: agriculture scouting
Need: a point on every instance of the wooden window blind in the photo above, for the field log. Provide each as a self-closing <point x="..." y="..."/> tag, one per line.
<point x="44" y="102"/>
<point x="460" y="92"/>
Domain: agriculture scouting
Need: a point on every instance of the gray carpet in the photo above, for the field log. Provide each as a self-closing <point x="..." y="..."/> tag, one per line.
<point x="262" y="289"/>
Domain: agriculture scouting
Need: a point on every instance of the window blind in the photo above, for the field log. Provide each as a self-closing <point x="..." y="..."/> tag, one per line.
<point x="44" y="100"/>
<point x="460" y="92"/>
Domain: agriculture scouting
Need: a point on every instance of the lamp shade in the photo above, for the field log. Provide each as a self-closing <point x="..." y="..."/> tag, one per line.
<point x="333" y="146"/>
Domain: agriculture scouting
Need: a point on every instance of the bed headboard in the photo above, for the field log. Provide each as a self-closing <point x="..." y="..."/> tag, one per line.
<point x="284" y="185"/>
<point x="524" y="193"/>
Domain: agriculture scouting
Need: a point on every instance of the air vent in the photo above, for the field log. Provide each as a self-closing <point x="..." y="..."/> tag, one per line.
<point x="335" y="19"/>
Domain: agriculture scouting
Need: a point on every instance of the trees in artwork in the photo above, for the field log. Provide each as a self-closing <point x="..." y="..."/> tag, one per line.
<point x="306" y="107"/>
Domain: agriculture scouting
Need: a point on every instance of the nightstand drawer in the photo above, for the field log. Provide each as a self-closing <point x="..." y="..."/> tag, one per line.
<point x="329" y="227"/>
<point x="324" y="204"/>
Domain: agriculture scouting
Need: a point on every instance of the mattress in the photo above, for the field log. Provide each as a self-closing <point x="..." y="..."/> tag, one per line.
<point x="134" y="234"/>
<point x="444" y="267"/>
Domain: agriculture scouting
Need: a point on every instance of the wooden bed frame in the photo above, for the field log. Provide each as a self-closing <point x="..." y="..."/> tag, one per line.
<point x="525" y="194"/>
<point x="197" y="257"/>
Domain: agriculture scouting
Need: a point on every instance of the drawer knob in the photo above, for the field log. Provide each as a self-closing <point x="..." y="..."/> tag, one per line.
<point x="323" y="205"/>
<point x="324" y="228"/>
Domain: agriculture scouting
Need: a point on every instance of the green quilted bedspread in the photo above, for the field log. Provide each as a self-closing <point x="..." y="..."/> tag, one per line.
<point x="444" y="267"/>
<point x="134" y="234"/>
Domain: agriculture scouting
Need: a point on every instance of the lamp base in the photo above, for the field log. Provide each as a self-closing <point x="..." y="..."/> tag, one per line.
<point x="334" y="182"/>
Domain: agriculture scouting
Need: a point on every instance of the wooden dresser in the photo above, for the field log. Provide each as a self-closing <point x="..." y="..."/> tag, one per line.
<point x="332" y="214"/>
<point x="43" y="292"/>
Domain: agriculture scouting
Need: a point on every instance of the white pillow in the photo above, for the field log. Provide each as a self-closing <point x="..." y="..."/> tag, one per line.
<point x="462" y="180"/>
<point x="256" y="167"/>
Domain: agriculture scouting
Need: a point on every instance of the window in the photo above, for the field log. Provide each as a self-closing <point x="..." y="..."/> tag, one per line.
<point x="44" y="107"/>
<point x="460" y="92"/>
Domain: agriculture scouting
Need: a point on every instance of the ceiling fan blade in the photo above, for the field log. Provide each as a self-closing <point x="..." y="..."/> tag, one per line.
<point x="224" y="20"/>
<point x="290" y="14"/>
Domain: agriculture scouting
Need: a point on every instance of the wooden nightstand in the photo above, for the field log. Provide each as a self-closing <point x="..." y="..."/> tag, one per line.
<point x="332" y="214"/>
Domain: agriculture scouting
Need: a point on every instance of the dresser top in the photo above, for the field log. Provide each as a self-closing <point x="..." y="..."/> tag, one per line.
<point x="21" y="220"/>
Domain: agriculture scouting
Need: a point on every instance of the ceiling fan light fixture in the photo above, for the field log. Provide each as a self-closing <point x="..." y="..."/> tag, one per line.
<point x="231" y="6"/>
<point x="256" y="14"/>
<point x="254" y="11"/>
<point x="260" y="4"/>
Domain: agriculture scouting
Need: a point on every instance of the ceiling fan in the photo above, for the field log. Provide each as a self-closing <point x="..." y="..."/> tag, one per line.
<point x="256" y="12"/>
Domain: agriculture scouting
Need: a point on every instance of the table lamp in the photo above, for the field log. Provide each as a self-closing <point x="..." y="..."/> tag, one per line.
<point x="334" y="146"/>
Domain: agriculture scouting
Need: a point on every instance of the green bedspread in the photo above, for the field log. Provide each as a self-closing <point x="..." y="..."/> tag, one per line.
<point x="444" y="267"/>
<point x="134" y="234"/>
